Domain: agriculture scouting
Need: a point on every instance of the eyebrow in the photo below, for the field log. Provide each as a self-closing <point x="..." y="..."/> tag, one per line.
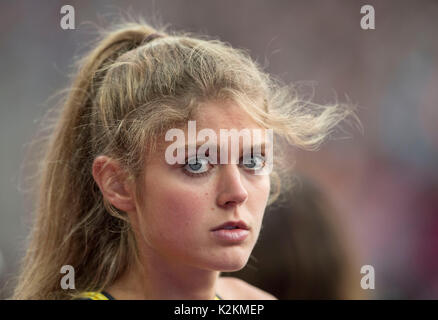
<point x="258" y="146"/>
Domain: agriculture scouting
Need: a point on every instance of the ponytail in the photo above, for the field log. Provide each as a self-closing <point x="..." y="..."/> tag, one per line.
<point x="72" y="225"/>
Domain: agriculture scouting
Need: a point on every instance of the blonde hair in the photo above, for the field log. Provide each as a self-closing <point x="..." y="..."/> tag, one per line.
<point x="128" y="91"/>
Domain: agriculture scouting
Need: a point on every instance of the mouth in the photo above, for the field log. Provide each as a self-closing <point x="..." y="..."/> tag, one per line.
<point x="231" y="232"/>
<point x="232" y="225"/>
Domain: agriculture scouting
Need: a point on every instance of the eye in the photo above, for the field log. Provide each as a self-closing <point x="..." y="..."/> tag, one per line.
<point x="200" y="166"/>
<point x="253" y="162"/>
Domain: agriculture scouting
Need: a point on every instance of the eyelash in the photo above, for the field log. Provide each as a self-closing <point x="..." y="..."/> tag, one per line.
<point x="196" y="175"/>
<point x="206" y="173"/>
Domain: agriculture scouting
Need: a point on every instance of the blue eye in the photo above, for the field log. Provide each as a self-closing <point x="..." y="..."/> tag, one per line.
<point x="254" y="162"/>
<point x="200" y="166"/>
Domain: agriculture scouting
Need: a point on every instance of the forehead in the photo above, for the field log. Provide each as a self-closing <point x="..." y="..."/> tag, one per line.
<point x="223" y="115"/>
<point x="220" y="117"/>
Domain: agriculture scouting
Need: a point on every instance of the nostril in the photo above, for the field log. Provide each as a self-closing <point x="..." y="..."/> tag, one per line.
<point x="231" y="203"/>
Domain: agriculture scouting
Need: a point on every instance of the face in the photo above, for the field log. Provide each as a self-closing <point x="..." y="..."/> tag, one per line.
<point x="182" y="203"/>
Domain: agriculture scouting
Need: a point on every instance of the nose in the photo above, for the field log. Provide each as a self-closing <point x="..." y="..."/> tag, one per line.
<point x="231" y="190"/>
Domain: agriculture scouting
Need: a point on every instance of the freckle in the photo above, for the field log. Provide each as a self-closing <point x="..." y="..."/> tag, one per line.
<point x="212" y="209"/>
<point x="206" y="193"/>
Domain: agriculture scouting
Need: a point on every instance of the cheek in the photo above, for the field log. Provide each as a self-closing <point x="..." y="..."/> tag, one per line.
<point x="257" y="201"/>
<point x="177" y="211"/>
<point x="259" y="193"/>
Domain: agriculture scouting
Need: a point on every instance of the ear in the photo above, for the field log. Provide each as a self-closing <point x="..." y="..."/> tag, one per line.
<point x="113" y="183"/>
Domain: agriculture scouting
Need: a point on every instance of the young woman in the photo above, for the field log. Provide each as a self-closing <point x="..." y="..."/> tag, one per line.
<point x="133" y="225"/>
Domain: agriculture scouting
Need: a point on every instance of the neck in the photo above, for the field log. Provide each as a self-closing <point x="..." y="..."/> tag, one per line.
<point x="156" y="278"/>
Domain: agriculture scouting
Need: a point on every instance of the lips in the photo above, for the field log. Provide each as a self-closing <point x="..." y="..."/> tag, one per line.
<point x="231" y="225"/>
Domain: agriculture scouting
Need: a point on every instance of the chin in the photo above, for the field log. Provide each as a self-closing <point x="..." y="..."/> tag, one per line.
<point x="230" y="265"/>
<point x="232" y="269"/>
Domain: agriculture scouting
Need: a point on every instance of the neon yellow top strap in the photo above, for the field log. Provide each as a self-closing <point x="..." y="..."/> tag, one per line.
<point x="99" y="296"/>
<point x="93" y="295"/>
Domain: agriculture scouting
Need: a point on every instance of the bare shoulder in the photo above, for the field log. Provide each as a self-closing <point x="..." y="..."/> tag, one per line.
<point x="237" y="289"/>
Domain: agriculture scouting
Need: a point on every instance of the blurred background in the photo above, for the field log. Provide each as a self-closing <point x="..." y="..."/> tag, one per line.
<point x="371" y="199"/>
